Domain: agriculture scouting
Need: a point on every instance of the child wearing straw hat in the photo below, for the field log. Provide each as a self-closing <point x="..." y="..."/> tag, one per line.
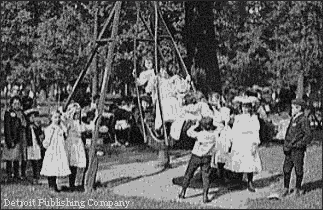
<point x="206" y="135"/>
<point x="245" y="140"/>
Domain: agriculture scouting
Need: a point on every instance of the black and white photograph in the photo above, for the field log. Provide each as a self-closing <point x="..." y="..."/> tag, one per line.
<point x="161" y="104"/>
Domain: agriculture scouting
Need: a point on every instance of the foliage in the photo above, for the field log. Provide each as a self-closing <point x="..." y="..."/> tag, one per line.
<point x="264" y="43"/>
<point x="269" y="42"/>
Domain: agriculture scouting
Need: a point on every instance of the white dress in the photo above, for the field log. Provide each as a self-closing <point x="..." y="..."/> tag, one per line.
<point x="190" y="112"/>
<point x="245" y="132"/>
<point x="55" y="161"/>
<point x="34" y="151"/>
<point x="222" y="147"/>
<point x="146" y="78"/>
<point x="169" y="102"/>
<point x="74" y="144"/>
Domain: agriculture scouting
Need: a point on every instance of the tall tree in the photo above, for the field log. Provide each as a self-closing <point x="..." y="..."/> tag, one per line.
<point x="202" y="45"/>
<point x="294" y="45"/>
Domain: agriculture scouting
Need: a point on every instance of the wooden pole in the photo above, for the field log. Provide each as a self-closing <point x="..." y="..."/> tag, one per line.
<point x="175" y="46"/>
<point x="152" y="35"/>
<point x="135" y="70"/>
<point x="90" y="175"/>
<point x="163" y="153"/>
<point x="106" y="23"/>
<point x="95" y="59"/>
<point x="81" y="76"/>
<point x="94" y="51"/>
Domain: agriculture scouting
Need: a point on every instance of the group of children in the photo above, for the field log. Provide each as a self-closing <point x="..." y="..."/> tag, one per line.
<point x="65" y="151"/>
<point x="218" y="143"/>
<point x="54" y="151"/>
<point x="223" y="146"/>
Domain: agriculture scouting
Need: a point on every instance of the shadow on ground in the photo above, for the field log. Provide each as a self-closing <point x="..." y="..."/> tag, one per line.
<point x="15" y="182"/>
<point x="124" y="180"/>
<point x="227" y="187"/>
<point x="310" y="186"/>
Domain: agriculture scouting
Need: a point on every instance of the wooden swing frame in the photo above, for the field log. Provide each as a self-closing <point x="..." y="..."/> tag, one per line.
<point x="91" y="172"/>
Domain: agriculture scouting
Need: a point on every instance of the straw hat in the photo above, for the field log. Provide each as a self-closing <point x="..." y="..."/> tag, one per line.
<point x="245" y="99"/>
<point x="207" y="123"/>
<point x="29" y="112"/>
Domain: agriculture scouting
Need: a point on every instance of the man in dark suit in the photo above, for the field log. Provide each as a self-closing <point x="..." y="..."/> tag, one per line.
<point x="298" y="137"/>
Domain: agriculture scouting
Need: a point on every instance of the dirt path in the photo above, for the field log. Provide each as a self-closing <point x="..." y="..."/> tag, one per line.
<point x="144" y="179"/>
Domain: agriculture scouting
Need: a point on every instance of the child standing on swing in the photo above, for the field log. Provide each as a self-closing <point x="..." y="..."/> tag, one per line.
<point x="55" y="162"/>
<point x="206" y="135"/>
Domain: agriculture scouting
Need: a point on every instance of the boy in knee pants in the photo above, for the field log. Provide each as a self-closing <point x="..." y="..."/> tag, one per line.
<point x="206" y="134"/>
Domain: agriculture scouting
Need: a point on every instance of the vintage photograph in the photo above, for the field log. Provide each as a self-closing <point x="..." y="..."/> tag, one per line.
<point x="161" y="104"/>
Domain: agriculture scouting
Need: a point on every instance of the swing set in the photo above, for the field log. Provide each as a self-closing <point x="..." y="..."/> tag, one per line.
<point x="149" y="136"/>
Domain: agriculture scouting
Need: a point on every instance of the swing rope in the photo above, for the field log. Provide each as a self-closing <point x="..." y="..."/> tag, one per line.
<point x="156" y="72"/>
<point x="149" y="136"/>
<point x="176" y="48"/>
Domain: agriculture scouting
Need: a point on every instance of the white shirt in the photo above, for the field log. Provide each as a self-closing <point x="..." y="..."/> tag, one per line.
<point x="205" y="141"/>
<point x="144" y="77"/>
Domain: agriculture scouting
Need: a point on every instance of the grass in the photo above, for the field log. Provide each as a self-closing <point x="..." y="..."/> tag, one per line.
<point x="272" y="159"/>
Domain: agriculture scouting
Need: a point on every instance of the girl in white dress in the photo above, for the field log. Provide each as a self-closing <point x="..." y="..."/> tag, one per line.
<point x="194" y="111"/>
<point x="147" y="76"/>
<point x="170" y="88"/>
<point x="245" y="140"/>
<point x="74" y="144"/>
<point x="223" y="144"/>
<point x="55" y="162"/>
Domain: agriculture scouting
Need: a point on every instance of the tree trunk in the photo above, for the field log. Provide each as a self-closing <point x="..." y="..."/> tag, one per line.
<point x="163" y="158"/>
<point x="300" y="86"/>
<point x="33" y="84"/>
<point x="202" y="46"/>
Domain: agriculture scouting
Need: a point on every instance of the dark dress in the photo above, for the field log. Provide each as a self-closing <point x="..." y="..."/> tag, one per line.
<point x="15" y="136"/>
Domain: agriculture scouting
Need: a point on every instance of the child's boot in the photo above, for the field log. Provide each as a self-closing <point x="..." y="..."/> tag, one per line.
<point x="182" y="193"/>
<point x="206" y="196"/>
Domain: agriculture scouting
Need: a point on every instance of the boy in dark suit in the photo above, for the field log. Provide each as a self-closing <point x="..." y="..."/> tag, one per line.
<point x="15" y="150"/>
<point x="298" y="136"/>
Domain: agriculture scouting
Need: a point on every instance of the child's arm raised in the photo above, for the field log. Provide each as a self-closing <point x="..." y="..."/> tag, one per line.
<point x="191" y="131"/>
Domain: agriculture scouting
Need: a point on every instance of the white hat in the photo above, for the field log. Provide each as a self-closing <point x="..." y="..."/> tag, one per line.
<point x="31" y="111"/>
<point x="245" y="99"/>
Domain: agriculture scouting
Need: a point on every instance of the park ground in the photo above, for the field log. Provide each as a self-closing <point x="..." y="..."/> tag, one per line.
<point x="130" y="174"/>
